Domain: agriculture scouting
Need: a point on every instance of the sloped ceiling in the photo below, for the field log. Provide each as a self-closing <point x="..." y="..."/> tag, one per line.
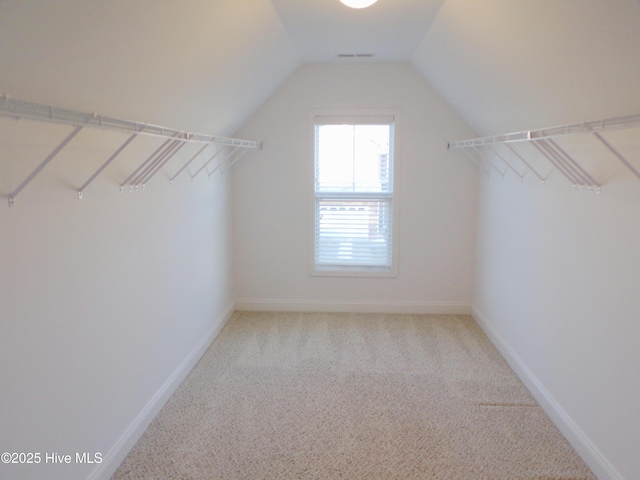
<point x="510" y="65"/>
<point x="389" y="30"/>
<point x="208" y="65"/>
<point x="202" y="65"/>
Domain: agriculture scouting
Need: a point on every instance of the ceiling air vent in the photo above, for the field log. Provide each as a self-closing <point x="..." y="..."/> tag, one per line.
<point x="356" y="55"/>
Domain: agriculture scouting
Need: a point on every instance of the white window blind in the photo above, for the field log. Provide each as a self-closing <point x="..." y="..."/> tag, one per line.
<point x="353" y="192"/>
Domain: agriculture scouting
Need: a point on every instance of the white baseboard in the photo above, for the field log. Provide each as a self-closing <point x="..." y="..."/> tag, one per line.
<point x="442" y="308"/>
<point x="581" y="443"/>
<point x="114" y="457"/>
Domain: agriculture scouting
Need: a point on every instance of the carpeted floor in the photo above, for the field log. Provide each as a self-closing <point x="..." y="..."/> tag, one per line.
<point x="352" y="396"/>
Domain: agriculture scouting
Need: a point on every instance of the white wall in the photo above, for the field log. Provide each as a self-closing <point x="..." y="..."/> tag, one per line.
<point x="558" y="271"/>
<point x="557" y="289"/>
<point x="101" y="299"/>
<point x="272" y="197"/>
<point x="106" y="302"/>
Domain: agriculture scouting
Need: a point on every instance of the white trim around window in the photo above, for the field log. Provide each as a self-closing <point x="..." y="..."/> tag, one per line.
<point x="355" y="199"/>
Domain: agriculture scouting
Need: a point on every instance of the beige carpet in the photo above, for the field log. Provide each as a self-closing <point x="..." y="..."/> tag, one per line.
<point x="352" y="396"/>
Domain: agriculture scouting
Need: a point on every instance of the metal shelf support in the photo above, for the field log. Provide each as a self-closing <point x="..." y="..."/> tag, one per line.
<point x="44" y="163"/>
<point x="20" y="109"/>
<point x="479" y="153"/>
<point x="238" y="156"/>
<point x="543" y="141"/>
<point x="209" y="161"/>
<point x="105" y="164"/>
<point x="617" y="154"/>
<point x="521" y="175"/>
<point x="150" y="158"/>
<point x="603" y="125"/>
<point x="527" y="164"/>
<point x="186" y="165"/>
<point x="174" y="141"/>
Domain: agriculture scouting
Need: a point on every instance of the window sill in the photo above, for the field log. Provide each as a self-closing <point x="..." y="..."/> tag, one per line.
<point x="367" y="272"/>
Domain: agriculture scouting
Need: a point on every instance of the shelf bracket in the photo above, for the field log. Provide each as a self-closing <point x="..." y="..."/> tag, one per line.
<point x="507" y="163"/>
<point x="44" y="163"/>
<point x="490" y="162"/>
<point x="184" y="167"/>
<point x="617" y="154"/>
<point x="174" y="141"/>
<point x="161" y="164"/>
<point x="582" y="172"/>
<point x="558" y="166"/>
<point x="209" y="161"/>
<point x="227" y="167"/>
<point x="105" y="164"/>
<point x="514" y="151"/>
<point x="543" y="141"/>
<point x="139" y="180"/>
<point x="144" y="164"/>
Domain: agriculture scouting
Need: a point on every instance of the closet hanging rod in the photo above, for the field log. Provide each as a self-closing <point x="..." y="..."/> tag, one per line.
<point x="21" y="109"/>
<point x="613" y="123"/>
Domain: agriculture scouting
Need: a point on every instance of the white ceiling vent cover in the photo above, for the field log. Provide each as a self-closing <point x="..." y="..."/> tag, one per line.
<point x="356" y="55"/>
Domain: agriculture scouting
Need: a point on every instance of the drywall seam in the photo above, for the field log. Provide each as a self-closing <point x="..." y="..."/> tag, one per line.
<point x="579" y="440"/>
<point x="118" y="452"/>
<point x="448" y="308"/>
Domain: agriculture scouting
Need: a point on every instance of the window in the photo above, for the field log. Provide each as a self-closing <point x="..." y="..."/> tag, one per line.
<point x="354" y="194"/>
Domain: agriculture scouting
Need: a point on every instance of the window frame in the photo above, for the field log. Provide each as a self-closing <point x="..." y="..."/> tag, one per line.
<point x="356" y="271"/>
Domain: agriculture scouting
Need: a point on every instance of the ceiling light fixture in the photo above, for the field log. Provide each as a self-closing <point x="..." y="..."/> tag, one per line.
<point x="358" y="3"/>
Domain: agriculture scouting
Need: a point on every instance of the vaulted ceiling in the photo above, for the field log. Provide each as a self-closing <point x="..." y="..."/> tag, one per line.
<point x="327" y="31"/>
<point x="208" y="65"/>
<point x="509" y="65"/>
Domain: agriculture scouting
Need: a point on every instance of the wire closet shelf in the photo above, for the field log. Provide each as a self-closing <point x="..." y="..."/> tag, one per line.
<point x="174" y="141"/>
<point x="544" y="141"/>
